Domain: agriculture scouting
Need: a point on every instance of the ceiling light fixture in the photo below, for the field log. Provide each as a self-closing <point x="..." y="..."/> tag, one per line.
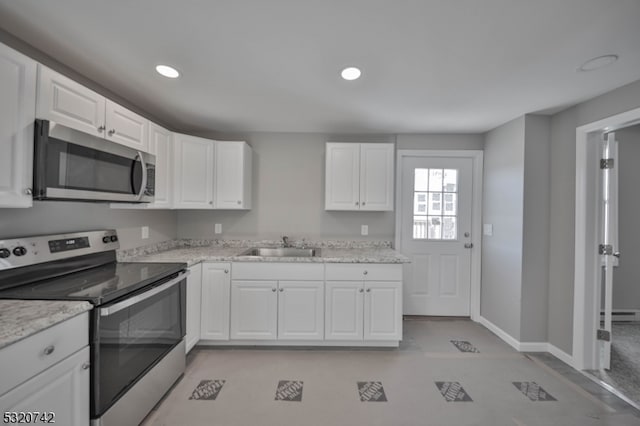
<point x="167" y="71"/>
<point x="351" y="73"/>
<point x="598" y="62"/>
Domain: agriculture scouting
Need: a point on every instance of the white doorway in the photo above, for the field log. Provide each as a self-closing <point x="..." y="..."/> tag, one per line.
<point x="438" y="208"/>
<point x="590" y="353"/>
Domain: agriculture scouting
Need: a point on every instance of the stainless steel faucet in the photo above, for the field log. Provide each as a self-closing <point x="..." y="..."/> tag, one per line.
<point x="285" y="241"/>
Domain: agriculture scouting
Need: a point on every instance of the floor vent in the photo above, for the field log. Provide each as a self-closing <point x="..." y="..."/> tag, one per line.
<point x="623" y="316"/>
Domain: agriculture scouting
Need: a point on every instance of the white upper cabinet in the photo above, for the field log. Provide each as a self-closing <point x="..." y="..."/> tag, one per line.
<point x="69" y="103"/>
<point x="233" y="162"/>
<point x="17" y="104"/>
<point x="161" y="145"/>
<point x="126" y="127"/>
<point x="64" y="101"/>
<point x="193" y="169"/>
<point x="359" y="176"/>
<point x="376" y="176"/>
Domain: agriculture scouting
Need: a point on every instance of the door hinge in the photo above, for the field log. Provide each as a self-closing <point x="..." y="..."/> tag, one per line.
<point x="604" y="335"/>
<point x="606" y="163"/>
<point x="606" y="249"/>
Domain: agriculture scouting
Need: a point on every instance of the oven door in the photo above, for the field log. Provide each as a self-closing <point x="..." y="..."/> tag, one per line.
<point x="132" y="335"/>
<point x="71" y="165"/>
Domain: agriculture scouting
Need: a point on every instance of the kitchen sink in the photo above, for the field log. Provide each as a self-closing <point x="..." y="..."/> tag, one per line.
<point x="281" y="252"/>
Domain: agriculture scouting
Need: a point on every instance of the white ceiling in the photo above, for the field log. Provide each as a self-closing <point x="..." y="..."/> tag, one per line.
<point x="255" y="65"/>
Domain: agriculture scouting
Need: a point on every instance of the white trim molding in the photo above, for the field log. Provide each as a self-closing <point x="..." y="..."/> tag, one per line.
<point x="585" y="300"/>
<point x="476" y="211"/>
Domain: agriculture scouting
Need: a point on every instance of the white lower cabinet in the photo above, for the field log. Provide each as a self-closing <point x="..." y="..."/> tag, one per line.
<point x="194" y="295"/>
<point x="51" y="377"/>
<point x="300" y="310"/>
<point x="383" y="310"/>
<point x="344" y="310"/>
<point x="216" y="294"/>
<point x="254" y="310"/>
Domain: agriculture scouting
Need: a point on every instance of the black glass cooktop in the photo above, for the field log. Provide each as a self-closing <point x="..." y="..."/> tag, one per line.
<point x="97" y="285"/>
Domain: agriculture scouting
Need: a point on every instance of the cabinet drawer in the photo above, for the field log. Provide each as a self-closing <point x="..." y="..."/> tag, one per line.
<point x="363" y="271"/>
<point x="28" y="357"/>
<point x="277" y="271"/>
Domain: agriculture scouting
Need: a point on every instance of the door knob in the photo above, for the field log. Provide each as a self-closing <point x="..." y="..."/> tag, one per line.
<point x="617" y="254"/>
<point x="468" y="245"/>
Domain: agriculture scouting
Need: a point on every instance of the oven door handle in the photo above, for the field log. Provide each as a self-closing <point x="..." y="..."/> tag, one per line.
<point x="109" y="310"/>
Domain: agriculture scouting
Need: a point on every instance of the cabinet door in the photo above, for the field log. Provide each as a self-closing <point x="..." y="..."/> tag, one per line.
<point x="344" y="310"/>
<point x="232" y="175"/>
<point x="64" y="101"/>
<point x="126" y="127"/>
<point x="194" y="296"/>
<point x="383" y="310"/>
<point x="17" y="103"/>
<point x="376" y="176"/>
<point x="342" y="176"/>
<point x="254" y="310"/>
<point x="301" y="310"/>
<point x="216" y="297"/>
<point x="161" y="145"/>
<point x="62" y="389"/>
<point x="193" y="164"/>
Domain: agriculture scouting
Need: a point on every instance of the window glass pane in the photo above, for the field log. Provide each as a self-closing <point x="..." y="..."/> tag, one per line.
<point x="434" y="227"/>
<point x="435" y="205"/>
<point x="435" y="180"/>
<point x="449" y="228"/>
<point x="450" y="204"/>
<point x="421" y="180"/>
<point x="450" y="180"/>
<point x="420" y="203"/>
<point x="419" y="227"/>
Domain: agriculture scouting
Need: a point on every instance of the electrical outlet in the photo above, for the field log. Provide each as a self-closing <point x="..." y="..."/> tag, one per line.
<point x="218" y="228"/>
<point x="145" y="232"/>
<point x="487" y="229"/>
<point x="364" y="230"/>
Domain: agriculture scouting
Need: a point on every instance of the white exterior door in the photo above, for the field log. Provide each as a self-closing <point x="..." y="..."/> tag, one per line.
<point x="254" y="310"/>
<point x="436" y="234"/>
<point x="301" y="310"/>
<point x="17" y="103"/>
<point x="64" y="101"/>
<point x="216" y="297"/>
<point x="344" y="310"/>
<point x="609" y="242"/>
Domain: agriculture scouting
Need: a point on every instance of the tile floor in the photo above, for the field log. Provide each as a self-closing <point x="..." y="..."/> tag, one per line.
<point x="446" y="372"/>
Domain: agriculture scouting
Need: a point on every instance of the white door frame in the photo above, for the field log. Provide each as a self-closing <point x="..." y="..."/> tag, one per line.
<point x="476" y="211"/>
<point x="586" y="313"/>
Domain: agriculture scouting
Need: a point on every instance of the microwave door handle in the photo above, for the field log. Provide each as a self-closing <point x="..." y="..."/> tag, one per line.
<point x="117" y="307"/>
<point x="143" y="185"/>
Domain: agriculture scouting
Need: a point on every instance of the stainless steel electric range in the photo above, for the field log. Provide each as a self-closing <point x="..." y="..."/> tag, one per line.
<point x="137" y="325"/>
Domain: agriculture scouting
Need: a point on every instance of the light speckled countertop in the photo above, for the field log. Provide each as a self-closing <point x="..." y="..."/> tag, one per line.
<point x="22" y="318"/>
<point x="193" y="255"/>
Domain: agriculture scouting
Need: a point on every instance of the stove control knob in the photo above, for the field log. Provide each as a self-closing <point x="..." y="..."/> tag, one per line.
<point x="106" y="239"/>
<point x="114" y="238"/>
<point x="19" y="251"/>
<point x="4" y="253"/>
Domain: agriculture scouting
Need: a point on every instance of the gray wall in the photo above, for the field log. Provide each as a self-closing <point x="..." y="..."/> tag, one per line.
<point x="535" y="263"/>
<point x="52" y="217"/>
<point x="440" y="141"/>
<point x="288" y="195"/>
<point x="626" y="277"/>
<point x="503" y="208"/>
<point x="562" y="203"/>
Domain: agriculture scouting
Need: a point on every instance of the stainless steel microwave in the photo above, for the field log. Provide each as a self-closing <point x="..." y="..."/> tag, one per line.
<point x="72" y="165"/>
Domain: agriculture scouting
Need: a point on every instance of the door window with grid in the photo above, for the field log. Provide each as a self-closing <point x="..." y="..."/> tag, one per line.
<point x="435" y="204"/>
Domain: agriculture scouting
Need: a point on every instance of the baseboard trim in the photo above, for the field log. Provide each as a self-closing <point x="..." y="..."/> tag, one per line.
<point x="526" y="346"/>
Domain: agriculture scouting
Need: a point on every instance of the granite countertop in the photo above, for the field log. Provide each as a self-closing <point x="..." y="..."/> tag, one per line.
<point x="22" y="318"/>
<point x="193" y="255"/>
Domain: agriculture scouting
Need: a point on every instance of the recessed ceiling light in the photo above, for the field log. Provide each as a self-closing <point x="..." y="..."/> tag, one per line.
<point x="598" y="62"/>
<point x="167" y="71"/>
<point x="351" y="73"/>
